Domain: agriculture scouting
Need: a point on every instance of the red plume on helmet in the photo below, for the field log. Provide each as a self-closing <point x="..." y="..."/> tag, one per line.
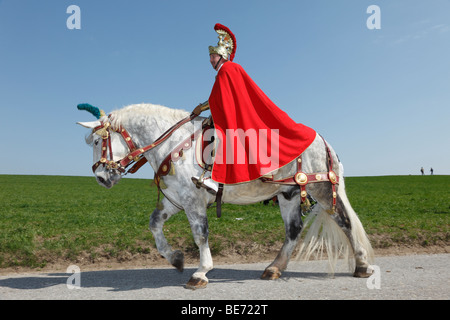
<point x="219" y="26"/>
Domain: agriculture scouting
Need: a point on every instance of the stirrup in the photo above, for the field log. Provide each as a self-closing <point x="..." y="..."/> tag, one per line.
<point x="206" y="183"/>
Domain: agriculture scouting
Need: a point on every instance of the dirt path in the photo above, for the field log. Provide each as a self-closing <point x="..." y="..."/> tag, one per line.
<point x="257" y="255"/>
<point x="396" y="277"/>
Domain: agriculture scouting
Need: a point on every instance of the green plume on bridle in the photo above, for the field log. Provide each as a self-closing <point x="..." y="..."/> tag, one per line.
<point x="90" y="108"/>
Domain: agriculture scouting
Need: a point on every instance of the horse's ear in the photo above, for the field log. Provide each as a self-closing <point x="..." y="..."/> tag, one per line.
<point x="90" y="125"/>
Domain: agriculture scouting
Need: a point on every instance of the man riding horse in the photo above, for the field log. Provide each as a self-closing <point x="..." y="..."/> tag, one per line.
<point x="241" y="110"/>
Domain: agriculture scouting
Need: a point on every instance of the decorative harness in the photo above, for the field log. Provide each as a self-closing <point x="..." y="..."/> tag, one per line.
<point x="136" y="158"/>
<point x="135" y="155"/>
<point x="302" y="179"/>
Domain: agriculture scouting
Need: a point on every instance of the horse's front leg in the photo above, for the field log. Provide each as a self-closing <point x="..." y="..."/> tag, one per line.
<point x="157" y="220"/>
<point x="199" y="226"/>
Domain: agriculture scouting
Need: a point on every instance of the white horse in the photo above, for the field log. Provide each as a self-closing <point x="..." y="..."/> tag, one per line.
<point x="336" y="230"/>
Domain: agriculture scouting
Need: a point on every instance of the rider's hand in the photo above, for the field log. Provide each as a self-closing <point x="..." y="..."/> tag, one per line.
<point x="198" y="109"/>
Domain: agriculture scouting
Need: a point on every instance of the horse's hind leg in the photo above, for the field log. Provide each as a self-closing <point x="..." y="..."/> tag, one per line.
<point x="157" y="220"/>
<point x="338" y="230"/>
<point x="291" y="214"/>
<point x="347" y="219"/>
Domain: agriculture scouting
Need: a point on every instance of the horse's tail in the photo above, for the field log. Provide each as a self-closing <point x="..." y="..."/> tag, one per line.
<point x="324" y="234"/>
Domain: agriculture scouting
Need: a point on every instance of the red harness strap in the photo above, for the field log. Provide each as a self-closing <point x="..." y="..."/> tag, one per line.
<point x="302" y="179"/>
<point x="106" y="144"/>
<point x="103" y="131"/>
<point x="175" y="155"/>
<point x="135" y="154"/>
<point x="334" y="179"/>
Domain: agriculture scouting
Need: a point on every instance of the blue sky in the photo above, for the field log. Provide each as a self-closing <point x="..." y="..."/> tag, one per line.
<point x="380" y="97"/>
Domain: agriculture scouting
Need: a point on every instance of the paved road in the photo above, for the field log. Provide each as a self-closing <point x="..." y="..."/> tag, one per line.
<point x="403" y="277"/>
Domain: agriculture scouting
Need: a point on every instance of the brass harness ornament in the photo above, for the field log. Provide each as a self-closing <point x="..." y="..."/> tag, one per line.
<point x="302" y="179"/>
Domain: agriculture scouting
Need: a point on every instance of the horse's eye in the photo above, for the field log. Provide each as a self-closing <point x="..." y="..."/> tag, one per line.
<point x="96" y="141"/>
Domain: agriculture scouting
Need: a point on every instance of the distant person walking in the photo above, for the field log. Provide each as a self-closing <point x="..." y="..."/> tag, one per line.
<point x="431" y="171"/>
<point x="421" y="170"/>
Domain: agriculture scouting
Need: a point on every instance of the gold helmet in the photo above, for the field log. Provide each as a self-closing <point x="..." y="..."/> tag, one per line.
<point x="226" y="47"/>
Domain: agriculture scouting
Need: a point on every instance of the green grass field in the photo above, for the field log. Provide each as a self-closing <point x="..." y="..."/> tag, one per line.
<point x="48" y="218"/>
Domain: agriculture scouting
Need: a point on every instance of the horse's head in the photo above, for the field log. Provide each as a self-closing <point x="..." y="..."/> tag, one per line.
<point x="109" y="147"/>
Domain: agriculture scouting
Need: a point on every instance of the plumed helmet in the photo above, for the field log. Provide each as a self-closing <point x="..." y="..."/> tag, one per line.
<point x="226" y="47"/>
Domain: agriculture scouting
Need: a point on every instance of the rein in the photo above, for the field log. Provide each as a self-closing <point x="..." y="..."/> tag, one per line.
<point x="136" y="155"/>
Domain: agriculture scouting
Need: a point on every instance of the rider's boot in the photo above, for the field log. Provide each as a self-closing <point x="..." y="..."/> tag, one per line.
<point x="206" y="182"/>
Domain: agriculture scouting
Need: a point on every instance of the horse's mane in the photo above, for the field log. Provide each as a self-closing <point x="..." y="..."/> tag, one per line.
<point x="138" y="112"/>
<point x="145" y="110"/>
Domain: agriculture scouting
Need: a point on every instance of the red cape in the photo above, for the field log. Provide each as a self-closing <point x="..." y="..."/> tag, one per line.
<point x="255" y="136"/>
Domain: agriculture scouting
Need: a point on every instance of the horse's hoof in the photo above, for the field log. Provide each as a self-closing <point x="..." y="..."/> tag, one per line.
<point x="196" y="283"/>
<point x="363" y="272"/>
<point x="178" y="260"/>
<point x="271" y="273"/>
